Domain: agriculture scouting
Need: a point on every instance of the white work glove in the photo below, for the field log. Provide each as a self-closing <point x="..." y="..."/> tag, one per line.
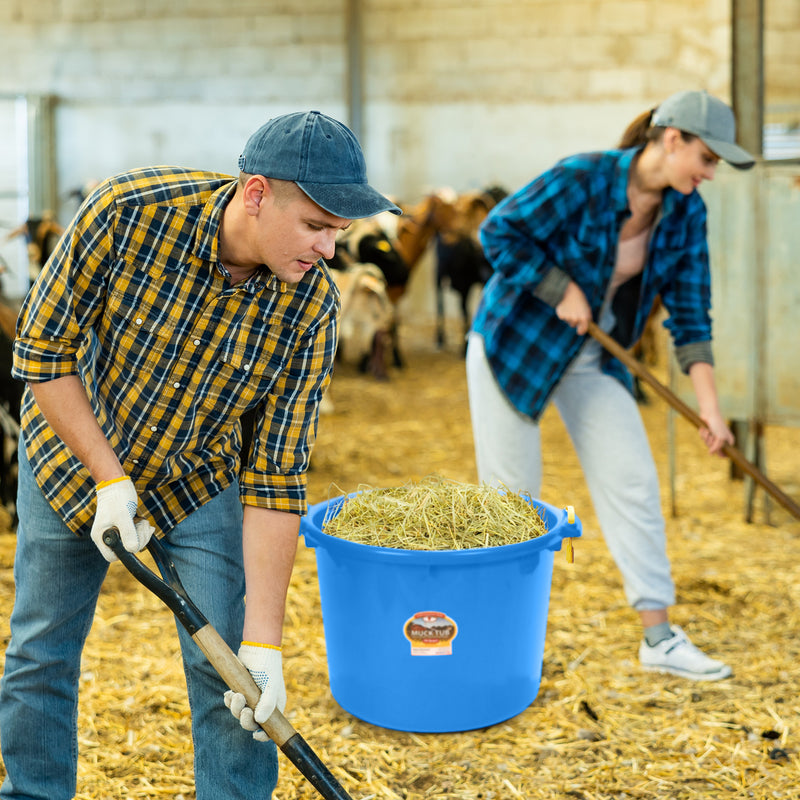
<point x="116" y="507"/>
<point x="264" y="663"/>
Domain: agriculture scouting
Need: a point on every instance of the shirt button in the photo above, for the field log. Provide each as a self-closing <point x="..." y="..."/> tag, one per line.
<point x="246" y="367"/>
<point x="176" y="385"/>
<point x="154" y="428"/>
<point x="196" y="342"/>
<point x="135" y="461"/>
<point x="138" y="320"/>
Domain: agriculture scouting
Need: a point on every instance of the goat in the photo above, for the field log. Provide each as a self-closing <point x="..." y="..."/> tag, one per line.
<point x="460" y="260"/>
<point x="41" y="235"/>
<point x="10" y="401"/>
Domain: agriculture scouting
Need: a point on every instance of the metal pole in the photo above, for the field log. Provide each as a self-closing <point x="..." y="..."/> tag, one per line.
<point x="41" y="154"/>
<point x="355" y="68"/>
<point x="747" y="89"/>
<point x="747" y="72"/>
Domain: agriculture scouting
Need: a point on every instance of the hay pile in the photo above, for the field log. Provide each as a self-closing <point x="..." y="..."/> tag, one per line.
<point x="434" y="514"/>
<point x="600" y="729"/>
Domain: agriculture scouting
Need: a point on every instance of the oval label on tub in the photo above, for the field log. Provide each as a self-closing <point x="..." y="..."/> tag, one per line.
<point x="431" y="633"/>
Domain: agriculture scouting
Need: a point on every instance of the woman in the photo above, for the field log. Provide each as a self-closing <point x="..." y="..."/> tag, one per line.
<point x="598" y="236"/>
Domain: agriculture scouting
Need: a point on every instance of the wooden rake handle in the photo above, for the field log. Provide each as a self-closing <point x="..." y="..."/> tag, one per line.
<point x="236" y="676"/>
<point x="735" y="455"/>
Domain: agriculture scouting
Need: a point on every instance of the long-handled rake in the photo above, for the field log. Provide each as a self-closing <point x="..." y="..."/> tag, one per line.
<point x="168" y="588"/>
<point x="618" y="351"/>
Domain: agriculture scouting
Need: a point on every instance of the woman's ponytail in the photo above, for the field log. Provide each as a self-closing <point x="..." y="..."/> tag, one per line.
<point x="639" y="132"/>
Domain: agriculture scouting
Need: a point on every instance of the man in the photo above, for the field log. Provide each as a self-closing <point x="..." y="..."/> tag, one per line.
<point x="175" y="301"/>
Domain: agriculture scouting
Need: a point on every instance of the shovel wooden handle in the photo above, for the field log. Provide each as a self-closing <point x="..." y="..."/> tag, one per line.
<point x="168" y="587"/>
<point x="735" y="455"/>
<point x="238" y="678"/>
<point x="277" y="727"/>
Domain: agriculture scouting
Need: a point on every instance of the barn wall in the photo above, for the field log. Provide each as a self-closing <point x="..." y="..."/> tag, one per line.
<point x="457" y="92"/>
<point x="460" y="92"/>
<point x="463" y="93"/>
<point x="146" y="82"/>
<point x="782" y="60"/>
<point x="471" y="92"/>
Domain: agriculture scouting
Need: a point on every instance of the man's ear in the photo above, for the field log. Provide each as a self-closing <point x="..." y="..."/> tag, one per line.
<point x="256" y="189"/>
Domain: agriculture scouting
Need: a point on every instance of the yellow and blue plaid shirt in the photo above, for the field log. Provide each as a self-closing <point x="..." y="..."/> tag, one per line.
<point x="135" y="301"/>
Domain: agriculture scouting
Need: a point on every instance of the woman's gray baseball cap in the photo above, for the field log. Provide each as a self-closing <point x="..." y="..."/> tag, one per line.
<point x="707" y="117"/>
<point x="322" y="156"/>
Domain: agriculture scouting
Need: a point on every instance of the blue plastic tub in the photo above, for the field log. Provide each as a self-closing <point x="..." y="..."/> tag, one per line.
<point x="435" y="641"/>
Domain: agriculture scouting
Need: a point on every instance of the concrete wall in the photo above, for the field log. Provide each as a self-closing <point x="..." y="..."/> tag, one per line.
<point x="457" y="92"/>
<point x="462" y="93"/>
<point x="782" y="59"/>
<point x="146" y="82"/>
<point x="468" y="93"/>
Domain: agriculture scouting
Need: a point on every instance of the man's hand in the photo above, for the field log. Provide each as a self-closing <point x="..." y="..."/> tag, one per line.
<point x="116" y="507"/>
<point x="264" y="663"/>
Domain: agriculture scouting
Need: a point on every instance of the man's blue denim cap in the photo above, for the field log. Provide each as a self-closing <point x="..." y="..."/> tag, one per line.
<point x="708" y="118"/>
<point x="322" y="156"/>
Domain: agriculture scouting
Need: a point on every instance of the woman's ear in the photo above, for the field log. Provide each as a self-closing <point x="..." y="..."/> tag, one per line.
<point x="670" y="139"/>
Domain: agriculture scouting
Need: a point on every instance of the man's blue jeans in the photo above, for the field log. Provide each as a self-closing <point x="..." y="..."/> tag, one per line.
<point x="58" y="577"/>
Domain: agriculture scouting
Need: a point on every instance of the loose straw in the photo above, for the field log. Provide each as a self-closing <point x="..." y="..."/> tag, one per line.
<point x="435" y="514"/>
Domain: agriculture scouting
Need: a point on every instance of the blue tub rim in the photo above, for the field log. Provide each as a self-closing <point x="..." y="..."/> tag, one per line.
<point x="315" y="537"/>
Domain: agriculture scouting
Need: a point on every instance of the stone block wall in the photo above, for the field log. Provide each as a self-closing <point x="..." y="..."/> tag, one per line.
<point x="455" y="92"/>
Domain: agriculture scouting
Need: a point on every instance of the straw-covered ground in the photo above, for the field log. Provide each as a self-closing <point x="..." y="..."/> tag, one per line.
<point x="600" y="727"/>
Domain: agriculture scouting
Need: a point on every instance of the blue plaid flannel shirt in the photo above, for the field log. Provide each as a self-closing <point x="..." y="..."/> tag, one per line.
<point x="564" y="225"/>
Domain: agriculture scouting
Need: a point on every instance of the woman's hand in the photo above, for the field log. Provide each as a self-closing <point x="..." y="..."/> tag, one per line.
<point x="716" y="434"/>
<point x="574" y="308"/>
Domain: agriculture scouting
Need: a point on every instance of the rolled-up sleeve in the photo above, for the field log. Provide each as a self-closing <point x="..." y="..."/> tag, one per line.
<point x="687" y="296"/>
<point x="286" y="424"/>
<point x="66" y="296"/>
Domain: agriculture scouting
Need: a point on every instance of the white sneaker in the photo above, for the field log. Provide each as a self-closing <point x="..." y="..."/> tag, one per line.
<point x="678" y="656"/>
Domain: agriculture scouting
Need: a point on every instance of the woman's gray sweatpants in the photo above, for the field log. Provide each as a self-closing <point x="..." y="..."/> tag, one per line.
<point x="609" y="437"/>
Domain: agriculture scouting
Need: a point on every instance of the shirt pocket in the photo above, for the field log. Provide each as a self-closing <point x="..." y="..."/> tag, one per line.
<point x="248" y="367"/>
<point x="577" y="255"/>
<point x="666" y="268"/>
<point x="138" y="319"/>
<point x="587" y="263"/>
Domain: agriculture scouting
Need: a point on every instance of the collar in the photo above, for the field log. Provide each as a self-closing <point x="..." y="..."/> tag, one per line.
<point x="259" y="280"/>
<point x="206" y="246"/>
<point x="206" y="243"/>
<point x="619" y="192"/>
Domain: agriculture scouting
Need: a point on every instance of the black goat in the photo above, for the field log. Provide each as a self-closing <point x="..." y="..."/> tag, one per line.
<point x="460" y="260"/>
<point x="10" y="401"/>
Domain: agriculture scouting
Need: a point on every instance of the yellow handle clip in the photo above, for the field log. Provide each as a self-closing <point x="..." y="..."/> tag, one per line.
<point x="570" y="547"/>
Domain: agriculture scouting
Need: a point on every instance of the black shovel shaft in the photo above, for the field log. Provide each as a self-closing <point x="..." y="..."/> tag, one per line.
<point x="169" y="589"/>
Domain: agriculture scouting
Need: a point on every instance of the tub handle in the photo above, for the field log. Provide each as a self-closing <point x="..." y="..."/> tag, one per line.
<point x="570" y="547"/>
<point x="307" y="531"/>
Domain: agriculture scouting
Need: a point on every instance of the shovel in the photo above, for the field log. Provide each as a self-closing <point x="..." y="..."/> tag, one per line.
<point x="168" y="588"/>
<point x="735" y="455"/>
